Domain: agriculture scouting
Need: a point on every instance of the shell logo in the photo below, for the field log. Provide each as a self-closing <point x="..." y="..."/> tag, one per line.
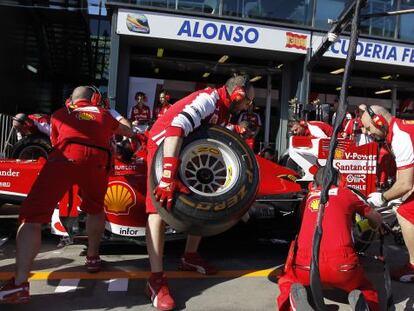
<point x="85" y="116"/>
<point x="339" y="154"/>
<point x="119" y="198"/>
<point x="314" y="205"/>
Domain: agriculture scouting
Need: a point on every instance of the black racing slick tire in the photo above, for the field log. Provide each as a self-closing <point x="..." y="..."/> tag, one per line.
<point x="32" y="147"/>
<point x="223" y="177"/>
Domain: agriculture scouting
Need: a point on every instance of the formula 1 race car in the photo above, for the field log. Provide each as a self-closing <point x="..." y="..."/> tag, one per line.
<point x="211" y="167"/>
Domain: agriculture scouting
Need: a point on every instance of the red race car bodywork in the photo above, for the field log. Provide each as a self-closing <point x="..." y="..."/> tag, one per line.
<point x="125" y="197"/>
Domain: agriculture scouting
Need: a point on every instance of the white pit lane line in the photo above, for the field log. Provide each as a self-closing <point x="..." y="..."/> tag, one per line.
<point x="67" y="285"/>
<point x="118" y="285"/>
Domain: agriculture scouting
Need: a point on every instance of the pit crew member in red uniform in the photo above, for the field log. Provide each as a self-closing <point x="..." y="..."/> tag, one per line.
<point x="209" y="105"/>
<point x="316" y="129"/>
<point x="253" y="125"/>
<point x="31" y="124"/>
<point x="399" y="135"/>
<point x="339" y="265"/>
<point x="140" y="113"/>
<point x="80" y="135"/>
<point x="164" y="104"/>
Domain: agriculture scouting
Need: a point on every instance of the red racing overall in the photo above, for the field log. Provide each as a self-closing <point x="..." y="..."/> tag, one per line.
<point x="339" y="265"/>
<point x="318" y="129"/>
<point x="81" y="141"/>
<point x="204" y="106"/>
<point x="161" y="110"/>
<point x="401" y="138"/>
<point x="140" y="114"/>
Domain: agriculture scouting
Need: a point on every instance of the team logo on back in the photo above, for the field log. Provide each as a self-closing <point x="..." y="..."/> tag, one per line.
<point x="85" y="116"/>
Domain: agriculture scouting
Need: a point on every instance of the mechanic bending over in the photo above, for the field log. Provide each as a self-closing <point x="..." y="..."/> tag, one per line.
<point x="210" y="105"/>
<point x="339" y="264"/>
<point x="31" y="124"/>
<point x="316" y="129"/>
<point x="80" y="135"/>
<point x="399" y="135"/>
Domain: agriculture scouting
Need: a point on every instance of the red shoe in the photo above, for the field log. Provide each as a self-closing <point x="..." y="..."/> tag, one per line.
<point x="93" y="264"/>
<point x="194" y="262"/>
<point x="157" y="290"/>
<point x="403" y="274"/>
<point x="13" y="294"/>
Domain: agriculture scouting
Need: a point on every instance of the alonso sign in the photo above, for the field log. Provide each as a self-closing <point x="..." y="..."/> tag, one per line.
<point x="213" y="31"/>
<point x="186" y="28"/>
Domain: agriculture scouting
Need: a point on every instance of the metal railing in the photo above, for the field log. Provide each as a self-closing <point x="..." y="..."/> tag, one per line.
<point x="8" y="136"/>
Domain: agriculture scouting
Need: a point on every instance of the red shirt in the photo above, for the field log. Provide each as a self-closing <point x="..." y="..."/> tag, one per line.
<point x="90" y="125"/>
<point x="401" y="138"/>
<point x="140" y="114"/>
<point x="318" y="129"/>
<point x="204" y="106"/>
<point x="337" y="221"/>
<point x="161" y="110"/>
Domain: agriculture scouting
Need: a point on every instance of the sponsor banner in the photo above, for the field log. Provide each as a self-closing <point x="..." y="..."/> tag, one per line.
<point x="373" y="51"/>
<point x="196" y="29"/>
<point x="125" y="230"/>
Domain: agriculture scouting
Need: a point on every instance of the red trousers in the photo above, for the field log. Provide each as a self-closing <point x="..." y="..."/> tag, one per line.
<point x="340" y="270"/>
<point x="58" y="175"/>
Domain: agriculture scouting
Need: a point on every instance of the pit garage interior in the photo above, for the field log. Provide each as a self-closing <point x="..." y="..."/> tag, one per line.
<point x="182" y="67"/>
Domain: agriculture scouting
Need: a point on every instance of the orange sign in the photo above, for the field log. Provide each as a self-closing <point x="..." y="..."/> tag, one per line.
<point x="119" y="198"/>
<point x="296" y="41"/>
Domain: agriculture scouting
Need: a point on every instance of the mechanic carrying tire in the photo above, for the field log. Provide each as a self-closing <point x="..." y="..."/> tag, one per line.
<point x="222" y="175"/>
<point x="208" y="106"/>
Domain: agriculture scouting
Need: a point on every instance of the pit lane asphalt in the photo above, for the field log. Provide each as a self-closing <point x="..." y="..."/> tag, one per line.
<point x="246" y="281"/>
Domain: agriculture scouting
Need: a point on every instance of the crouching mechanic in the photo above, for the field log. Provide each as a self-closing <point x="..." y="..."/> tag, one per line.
<point x="185" y="116"/>
<point x="316" y="129"/>
<point x="338" y="263"/>
<point x="80" y="135"/>
<point x="399" y="135"/>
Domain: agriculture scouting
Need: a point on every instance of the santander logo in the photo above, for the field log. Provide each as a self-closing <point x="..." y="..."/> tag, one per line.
<point x="10" y="173"/>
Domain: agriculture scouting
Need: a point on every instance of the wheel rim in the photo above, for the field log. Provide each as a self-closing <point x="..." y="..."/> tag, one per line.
<point x="209" y="168"/>
<point x="32" y="153"/>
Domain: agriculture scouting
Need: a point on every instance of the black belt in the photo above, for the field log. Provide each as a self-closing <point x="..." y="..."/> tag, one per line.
<point x="108" y="151"/>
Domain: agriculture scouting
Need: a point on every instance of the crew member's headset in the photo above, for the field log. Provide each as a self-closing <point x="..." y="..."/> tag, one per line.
<point x="378" y="120"/>
<point x="96" y="98"/>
